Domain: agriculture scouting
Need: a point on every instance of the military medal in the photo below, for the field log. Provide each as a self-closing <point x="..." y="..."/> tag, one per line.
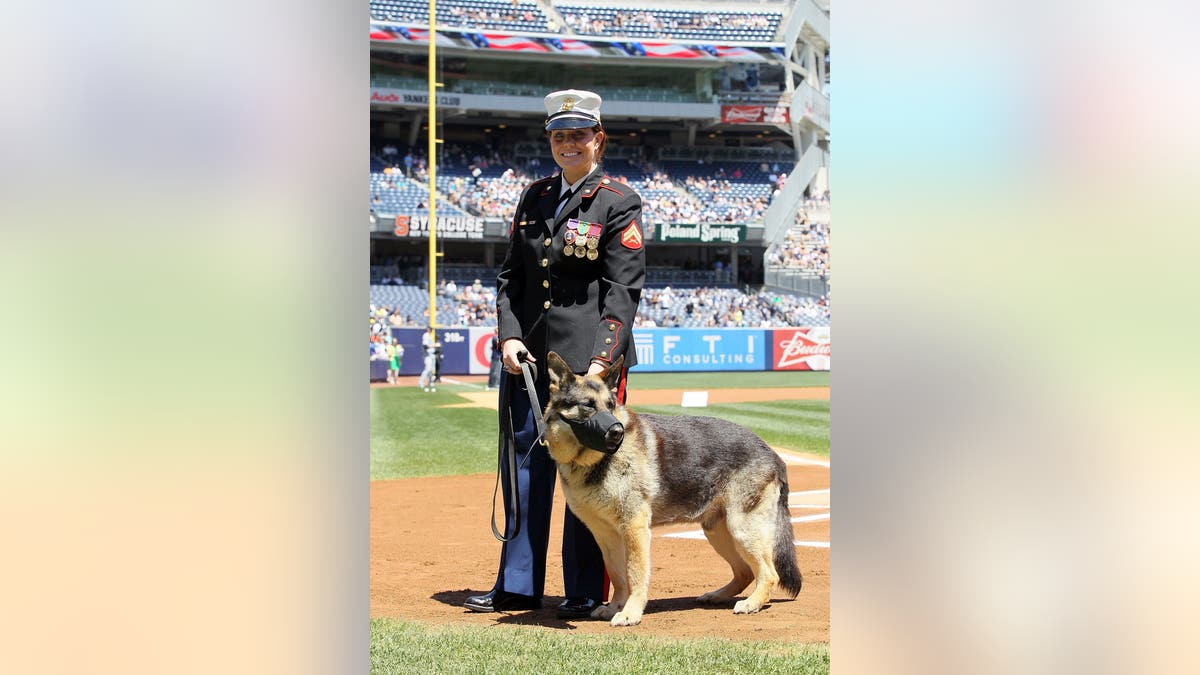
<point x="569" y="236"/>
<point x="568" y="250"/>
<point x="580" y="252"/>
<point x="592" y="254"/>
<point x="593" y="236"/>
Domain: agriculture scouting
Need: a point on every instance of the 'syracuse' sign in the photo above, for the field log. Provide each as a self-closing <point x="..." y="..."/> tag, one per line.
<point x="448" y="227"/>
<point x="702" y="233"/>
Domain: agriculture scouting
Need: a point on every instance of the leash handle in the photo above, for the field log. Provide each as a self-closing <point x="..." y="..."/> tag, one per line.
<point x="529" y="371"/>
<point x="508" y="452"/>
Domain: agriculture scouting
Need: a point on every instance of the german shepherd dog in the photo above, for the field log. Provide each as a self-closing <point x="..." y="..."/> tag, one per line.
<point x="670" y="469"/>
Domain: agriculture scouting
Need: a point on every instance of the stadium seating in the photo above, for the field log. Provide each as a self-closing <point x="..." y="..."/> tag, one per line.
<point x="477" y="181"/>
<point x="669" y="306"/>
<point x="656" y="22"/>
<point x="806" y="244"/>
<point x="396" y="194"/>
<point x="487" y="14"/>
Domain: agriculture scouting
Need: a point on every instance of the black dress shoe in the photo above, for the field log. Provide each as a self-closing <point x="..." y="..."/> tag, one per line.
<point x="501" y="601"/>
<point x="576" y="608"/>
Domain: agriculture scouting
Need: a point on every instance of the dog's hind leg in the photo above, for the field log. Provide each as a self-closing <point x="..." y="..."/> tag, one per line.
<point x="722" y="541"/>
<point x="637" y="564"/>
<point x="754" y="534"/>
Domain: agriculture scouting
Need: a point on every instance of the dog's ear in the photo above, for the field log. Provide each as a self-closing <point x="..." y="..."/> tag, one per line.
<point x="612" y="374"/>
<point x="559" y="370"/>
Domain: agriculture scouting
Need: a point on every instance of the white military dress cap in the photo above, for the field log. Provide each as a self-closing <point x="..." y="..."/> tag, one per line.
<point x="572" y="109"/>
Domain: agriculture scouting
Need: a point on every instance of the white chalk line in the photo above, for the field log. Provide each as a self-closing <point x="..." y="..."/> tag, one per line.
<point x="790" y="458"/>
<point x="809" y="519"/>
<point x="700" y="535"/>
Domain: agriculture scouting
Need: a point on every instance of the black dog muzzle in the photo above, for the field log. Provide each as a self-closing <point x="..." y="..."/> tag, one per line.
<point x="600" y="432"/>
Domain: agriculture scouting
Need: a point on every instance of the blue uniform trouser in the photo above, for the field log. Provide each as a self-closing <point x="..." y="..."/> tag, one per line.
<point x="523" y="560"/>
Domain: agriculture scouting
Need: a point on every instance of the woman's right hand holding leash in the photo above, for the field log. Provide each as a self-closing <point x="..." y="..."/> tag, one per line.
<point x="512" y="349"/>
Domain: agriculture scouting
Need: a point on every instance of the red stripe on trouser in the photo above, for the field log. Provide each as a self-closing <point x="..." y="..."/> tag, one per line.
<point x="621" y="400"/>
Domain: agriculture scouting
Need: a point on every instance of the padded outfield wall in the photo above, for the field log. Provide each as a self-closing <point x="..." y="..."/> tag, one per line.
<point x="465" y="350"/>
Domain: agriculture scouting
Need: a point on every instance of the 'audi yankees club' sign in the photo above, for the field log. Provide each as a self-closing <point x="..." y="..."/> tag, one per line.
<point x="800" y="349"/>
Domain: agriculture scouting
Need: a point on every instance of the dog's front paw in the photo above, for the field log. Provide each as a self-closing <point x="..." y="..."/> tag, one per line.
<point x="604" y="612"/>
<point x="626" y="619"/>
<point x="746" y="607"/>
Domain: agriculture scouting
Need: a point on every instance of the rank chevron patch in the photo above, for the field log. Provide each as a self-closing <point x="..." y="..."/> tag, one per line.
<point x="632" y="236"/>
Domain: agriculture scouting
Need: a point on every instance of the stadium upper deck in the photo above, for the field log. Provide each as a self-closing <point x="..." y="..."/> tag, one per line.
<point x="715" y="115"/>
<point x="643" y="20"/>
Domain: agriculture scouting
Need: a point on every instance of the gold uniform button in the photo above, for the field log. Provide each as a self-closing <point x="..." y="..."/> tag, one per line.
<point x="612" y="326"/>
<point x="606" y="181"/>
<point x="545" y="262"/>
<point x="603" y="353"/>
<point x="608" y="341"/>
<point x="546" y="243"/>
<point x="545" y="283"/>
<point x="546" y="305"/>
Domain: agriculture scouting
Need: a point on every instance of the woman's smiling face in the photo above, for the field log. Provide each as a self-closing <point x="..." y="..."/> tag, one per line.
<point x="575" y="151"/>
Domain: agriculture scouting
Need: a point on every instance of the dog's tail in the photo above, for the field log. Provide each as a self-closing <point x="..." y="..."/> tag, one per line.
<point x="785" y="548"/>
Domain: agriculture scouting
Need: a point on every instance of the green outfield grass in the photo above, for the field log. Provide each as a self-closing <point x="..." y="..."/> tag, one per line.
<point x="796" y="425"/>
<point x="411" y="435"/>
<point x="407" y="647"/>
<point x="729" y="380"/>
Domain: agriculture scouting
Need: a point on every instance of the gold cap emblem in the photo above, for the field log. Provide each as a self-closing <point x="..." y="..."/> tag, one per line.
<point x="568" y="103"/>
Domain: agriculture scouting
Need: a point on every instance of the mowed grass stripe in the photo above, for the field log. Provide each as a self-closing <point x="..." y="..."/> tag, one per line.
<point x="727" y="380"/>
<point x="412" y="435"/>
<point x="798" y="425"/>
<point x="407" y="647"/>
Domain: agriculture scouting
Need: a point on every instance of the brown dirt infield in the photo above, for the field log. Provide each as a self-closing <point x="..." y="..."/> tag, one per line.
<point x="431" y="547"/>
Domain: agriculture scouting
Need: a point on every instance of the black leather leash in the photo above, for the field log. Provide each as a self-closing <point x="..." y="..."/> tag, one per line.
<point x="508" y="451"/>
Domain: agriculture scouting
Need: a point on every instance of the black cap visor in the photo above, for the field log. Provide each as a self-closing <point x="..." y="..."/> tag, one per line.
<point x="570" y="121"/>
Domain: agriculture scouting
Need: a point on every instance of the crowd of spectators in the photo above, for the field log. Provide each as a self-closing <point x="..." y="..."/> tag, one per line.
<point x="475" y="305"/>
<point x="806" y="244"/>
<point x="728" y="307"/>
<point x="722" y="203"/>
<point x="480" y="182"/>
<point x="484" y="17"/>
<point x="642" y="23"/>
<point x="518" y="15"/>
<point x="488" y="197"/>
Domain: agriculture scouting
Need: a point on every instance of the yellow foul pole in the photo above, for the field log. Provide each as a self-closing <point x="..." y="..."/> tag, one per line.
<point x="432" y="165"/>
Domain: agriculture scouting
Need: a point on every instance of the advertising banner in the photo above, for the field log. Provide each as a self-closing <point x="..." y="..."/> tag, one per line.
<point x="693" y="349"/>
<point x="456" y="350"/>
<point x="755" y="114"/>
<point x="414" y="357"/>
<point x="456" y="357"/>
<point x="448" y="227"/>
<point x="481" y="350"/>
<point x="468" y="350"/>
<point x="702" y="233"/>
<point x="800" y="348"/>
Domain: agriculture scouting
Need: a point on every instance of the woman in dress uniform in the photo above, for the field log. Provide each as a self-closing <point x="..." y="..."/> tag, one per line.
<point x="570" y="283"/>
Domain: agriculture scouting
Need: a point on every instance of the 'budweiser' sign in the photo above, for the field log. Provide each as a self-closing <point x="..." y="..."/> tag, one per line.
<point x="800" y="349"/>
<point x="755" y="114"/>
